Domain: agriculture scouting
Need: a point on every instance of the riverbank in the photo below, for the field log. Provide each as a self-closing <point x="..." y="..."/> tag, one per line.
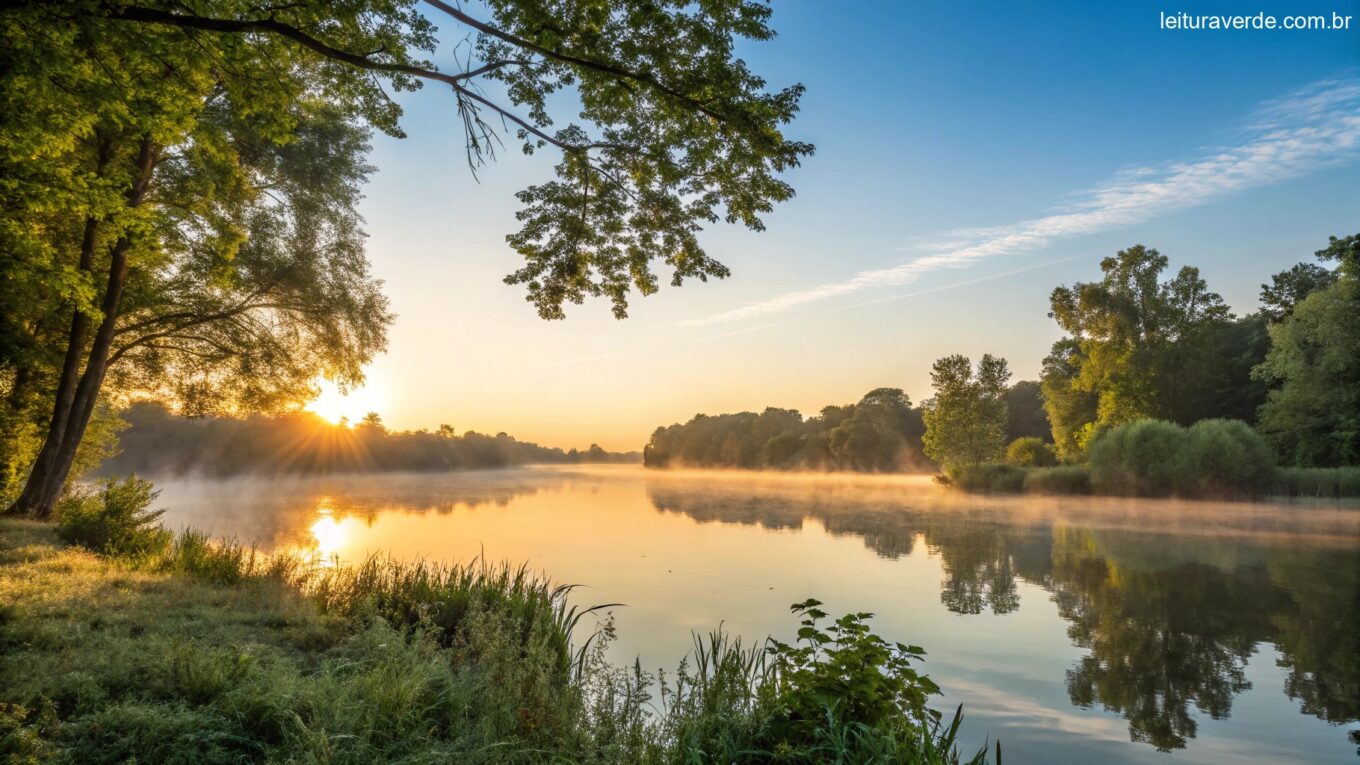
<point x="1280" y="484"/>
<point x="205" y="653"/>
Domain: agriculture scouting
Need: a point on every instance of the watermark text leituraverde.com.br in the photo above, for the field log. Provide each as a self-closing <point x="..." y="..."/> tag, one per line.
<point x="1189" y="21"/>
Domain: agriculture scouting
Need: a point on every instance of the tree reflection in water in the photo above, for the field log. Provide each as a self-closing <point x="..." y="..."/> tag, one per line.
<point x="1167" y="620"/>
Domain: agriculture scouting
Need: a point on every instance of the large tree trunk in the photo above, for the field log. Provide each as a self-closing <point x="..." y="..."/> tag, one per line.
<point x="75" y="401"/>
<point x="66" y="384"/>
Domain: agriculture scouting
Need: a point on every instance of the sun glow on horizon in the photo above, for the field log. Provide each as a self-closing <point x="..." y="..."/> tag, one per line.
<point x="336" y="407"/>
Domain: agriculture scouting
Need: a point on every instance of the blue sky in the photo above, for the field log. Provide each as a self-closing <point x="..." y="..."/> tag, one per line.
<point x="972" y="133"/>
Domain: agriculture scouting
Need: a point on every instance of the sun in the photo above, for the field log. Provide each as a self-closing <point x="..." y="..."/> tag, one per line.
<point x="336" y="407"/>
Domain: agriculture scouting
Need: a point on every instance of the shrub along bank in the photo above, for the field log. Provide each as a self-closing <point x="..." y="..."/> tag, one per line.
<point x="1152" y="458"/>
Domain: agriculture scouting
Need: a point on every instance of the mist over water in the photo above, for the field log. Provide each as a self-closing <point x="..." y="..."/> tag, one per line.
<point x="1073" y="629"/>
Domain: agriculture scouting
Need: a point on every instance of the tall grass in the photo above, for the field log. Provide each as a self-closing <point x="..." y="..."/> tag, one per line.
<point x="1317" y="483"/>
<point x="988" y="478"/>
<point x="1061" y="479"/>
<point x="1013" y="479"/>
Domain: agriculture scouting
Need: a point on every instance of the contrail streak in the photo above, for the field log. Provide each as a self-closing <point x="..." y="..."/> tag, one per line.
<point x="1310" y="128"/>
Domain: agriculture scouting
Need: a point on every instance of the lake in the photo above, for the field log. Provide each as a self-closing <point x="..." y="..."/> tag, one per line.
<point x="1073" y="629"/>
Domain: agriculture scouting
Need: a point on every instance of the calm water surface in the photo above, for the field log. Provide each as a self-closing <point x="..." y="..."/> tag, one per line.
<point x="1074" y="630"/>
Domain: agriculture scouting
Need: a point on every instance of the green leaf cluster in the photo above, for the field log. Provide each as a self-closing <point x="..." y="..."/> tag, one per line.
<point x="966" y="420"/>
<point x="846" y="669"/>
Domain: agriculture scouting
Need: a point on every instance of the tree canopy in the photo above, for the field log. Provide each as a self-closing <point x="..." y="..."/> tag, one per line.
<point x="1140" y="347"/>
<point x="966" y="420"/>
<point x="674" y="131"/>
<point x="1128" y="327"/>
<point x="158" y="443"/>
<point x="1313" y="412"/>
<point x="180" y="181"/>
<point x="880" y="433"/>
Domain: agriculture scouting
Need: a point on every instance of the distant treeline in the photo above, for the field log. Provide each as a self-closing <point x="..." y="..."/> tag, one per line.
<point x="880" y="433"/>
<point x="158" y="442"/>
<point x="1198" y="400"/>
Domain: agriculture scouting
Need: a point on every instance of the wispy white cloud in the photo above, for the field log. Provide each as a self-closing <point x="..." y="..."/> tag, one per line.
<point x="1312" y="127"/>
<point x="631" y="352"/>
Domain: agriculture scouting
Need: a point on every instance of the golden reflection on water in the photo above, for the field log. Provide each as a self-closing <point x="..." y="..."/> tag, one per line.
<point x="329" y="537"/>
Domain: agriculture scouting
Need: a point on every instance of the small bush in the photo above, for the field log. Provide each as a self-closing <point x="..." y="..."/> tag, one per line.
<point x="988" y="479"/>
<point x="1031" y="452"/>
<point x="1229" y="458"/>
<point x="839" y="693"/>
<point x="114" y="518"/>
<point x="1321" y="483"/>
<point x="1147" y="458"/>
<point x="1063" y="479"/>
<point x="869" y="680"/>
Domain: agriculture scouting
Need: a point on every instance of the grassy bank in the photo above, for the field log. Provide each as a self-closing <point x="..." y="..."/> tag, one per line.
<point x="186" y="651"/>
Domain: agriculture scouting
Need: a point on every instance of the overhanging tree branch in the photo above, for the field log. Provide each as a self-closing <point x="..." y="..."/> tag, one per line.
<point x="566" y="58"/>
<point x="273" y="26"/>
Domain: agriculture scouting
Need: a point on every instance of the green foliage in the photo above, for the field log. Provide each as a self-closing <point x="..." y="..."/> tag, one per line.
<point x="181" y="184"/>
<point x="1318" y="483"/>
<point x="880" y="433"/>
<point x="444" y="599"/>
<point x="1229" y="458"/>
<point x="1025" y="415"/>
<point x="1152" y="458"/>
<point x="21" y="434"/>
<point x="285" y="662"/>
<point x="1070" y="407"/>
<point x="1345" y="251"/>
<point x="1063" y="479"/>
<point x="1289" y="288"/>
<point x="1148" y="458"/>
<point x="689" y="137"/>
<point x="1031" y="452"/>
<point x="21" y="738"/>
<point x="847" y="668"/>
<point x="115" y="518"/>
<point x="216" y="267"/>
<point x="1312" y="415"/>
<point x="1143" y="348"/>
<point x="988" y="478"/>
<point x="996" y="478"/>
<point x="195" y="554"/>
<point x="965" y="423"/>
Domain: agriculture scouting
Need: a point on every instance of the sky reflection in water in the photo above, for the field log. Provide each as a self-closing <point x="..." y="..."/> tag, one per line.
<point x="1068" y="627"/>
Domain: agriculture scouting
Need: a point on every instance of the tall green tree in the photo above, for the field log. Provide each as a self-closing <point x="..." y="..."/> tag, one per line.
<point x="965" y="423"/>
<point x="879" y="435"/>
<point x="1026" y="417"/>
<point x="1289" y="287"/>
<point x="1070" y="406"/>
<point x="1312" y="415"/>
<point x="219" y="259"/>
<point x="1132" y="335"/>
<point x="179" y="178"/>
